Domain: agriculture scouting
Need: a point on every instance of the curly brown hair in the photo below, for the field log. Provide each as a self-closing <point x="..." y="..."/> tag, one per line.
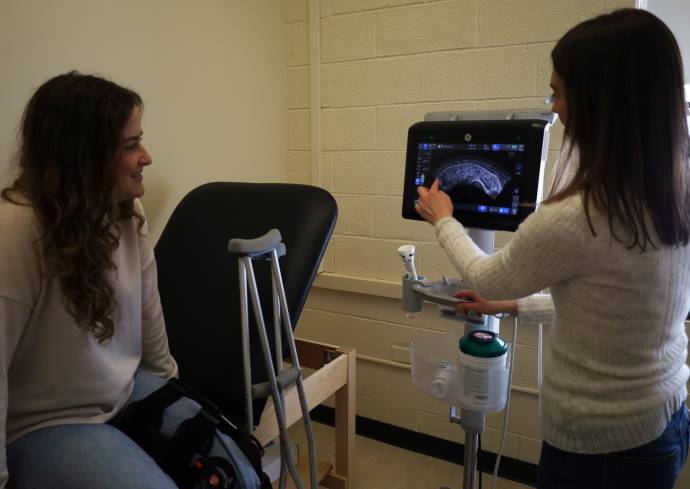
<point x="69" y="143"/>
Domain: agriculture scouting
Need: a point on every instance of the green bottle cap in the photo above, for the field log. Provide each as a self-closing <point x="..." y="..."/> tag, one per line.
<point x="483" y="344"/>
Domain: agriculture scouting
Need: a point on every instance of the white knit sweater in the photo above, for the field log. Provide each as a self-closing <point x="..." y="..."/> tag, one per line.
<point x="51" y="371"/>
<point x="615" y="371"/>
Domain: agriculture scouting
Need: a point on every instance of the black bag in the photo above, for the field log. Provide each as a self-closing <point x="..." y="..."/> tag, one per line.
<point x="204" y="450"/>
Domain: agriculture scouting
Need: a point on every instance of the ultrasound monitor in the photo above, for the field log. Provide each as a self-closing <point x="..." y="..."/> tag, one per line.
<point x="491" y="169"/>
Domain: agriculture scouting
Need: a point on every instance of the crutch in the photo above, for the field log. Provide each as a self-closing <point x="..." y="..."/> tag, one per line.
<point x="269" y="247"/>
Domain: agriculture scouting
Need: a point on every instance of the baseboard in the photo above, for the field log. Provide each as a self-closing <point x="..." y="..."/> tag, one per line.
<point x="510" y="468"/>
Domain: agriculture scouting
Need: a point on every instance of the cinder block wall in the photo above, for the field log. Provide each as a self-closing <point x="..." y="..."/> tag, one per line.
<point x="383" y="65"/>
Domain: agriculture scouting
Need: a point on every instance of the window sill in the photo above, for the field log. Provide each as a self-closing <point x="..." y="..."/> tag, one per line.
<point x="358" y="285"/>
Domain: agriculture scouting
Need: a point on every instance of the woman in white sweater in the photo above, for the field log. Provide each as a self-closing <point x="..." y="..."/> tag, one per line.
<point x="612" y="246"/>
<point x="79" y="305"/>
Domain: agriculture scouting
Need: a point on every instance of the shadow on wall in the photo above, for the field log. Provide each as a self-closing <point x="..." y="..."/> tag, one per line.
<point x="157" y="191"/>
<point x="9" y="173"/>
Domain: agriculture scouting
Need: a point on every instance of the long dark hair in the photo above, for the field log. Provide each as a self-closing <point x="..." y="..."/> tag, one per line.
<point x="626" y="116"/>
<point x="69" y="143"/>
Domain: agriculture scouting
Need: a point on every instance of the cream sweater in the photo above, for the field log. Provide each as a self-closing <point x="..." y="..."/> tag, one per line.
<point x="615" y="371"/>
<point x="53" y="372"/>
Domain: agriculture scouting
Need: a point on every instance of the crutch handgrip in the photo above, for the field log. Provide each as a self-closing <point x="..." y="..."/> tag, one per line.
<point x="257" y="246"/>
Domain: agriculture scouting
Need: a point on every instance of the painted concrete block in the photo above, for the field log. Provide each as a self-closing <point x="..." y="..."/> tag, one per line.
<point x="378" y="81"/>
<point x="387" y="412"/>
<point x="296" y="10"/>
<point x="435" y="263"/>
<point x="355" y="215"/>
<point x="366" y="257"/>
<point x="526" y="103"/>
<point x="389" y="223"/>
<point x="299" y="167"/>
<point x="326" y="80"/>
<point x="298" y="88"/>
<point x="482" y="73"/>
<point x="348" y="129"/>
<point x="491" y="442"/>
<point x="346" y="6"/>
<point x="377" y="308"/>
<point x="326" y="8"/>
<point x="298" y="44"/>
<point x="299" y="130"/>
<point x="439" y="426"/>
<point x="523" y="418"/>
<point x="393" y="121"/>
<point x="394" y="385"/>
<point x="544" y="68"/>
<point x="347" y="37"/>
<point x="369" y="172"/>
<point x="327" y="171"/>
<point x="525" y="369"/>
<point x="529" y="21"/>
<point x="424" y="28"/>
<point x="327" y="264"/>
<point x="529" y="449"/>
<point x="616" y="4"/>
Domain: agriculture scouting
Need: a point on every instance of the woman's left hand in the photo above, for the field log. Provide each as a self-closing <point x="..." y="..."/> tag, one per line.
<point x="476" y="304"/>
<point x="433" y="204"/>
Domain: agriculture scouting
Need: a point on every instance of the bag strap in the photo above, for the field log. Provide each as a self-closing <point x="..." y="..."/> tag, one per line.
<point x="193" y="436"/>
<point x="146" y="415"/>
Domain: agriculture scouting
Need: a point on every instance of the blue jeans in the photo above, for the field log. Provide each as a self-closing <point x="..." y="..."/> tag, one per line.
<point x="88" y="456"/>
<point x="655" y="465"/>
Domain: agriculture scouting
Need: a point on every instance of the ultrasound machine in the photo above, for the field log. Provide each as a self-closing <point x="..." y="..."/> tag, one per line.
<point x="491" y="164"/>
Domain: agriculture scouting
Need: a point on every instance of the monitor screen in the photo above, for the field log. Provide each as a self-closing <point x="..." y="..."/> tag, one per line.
<point x="490" y="169"/>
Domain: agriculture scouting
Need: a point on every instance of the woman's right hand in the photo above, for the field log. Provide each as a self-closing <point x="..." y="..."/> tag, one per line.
<point x="478" y="305"/>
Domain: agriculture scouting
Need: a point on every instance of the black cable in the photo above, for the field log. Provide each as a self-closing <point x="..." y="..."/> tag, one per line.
<point x="479" y="467"/>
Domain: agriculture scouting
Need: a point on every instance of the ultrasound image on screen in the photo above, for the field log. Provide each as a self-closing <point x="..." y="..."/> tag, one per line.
<point x="480" y="178"/>
<point x="479" y="172"/>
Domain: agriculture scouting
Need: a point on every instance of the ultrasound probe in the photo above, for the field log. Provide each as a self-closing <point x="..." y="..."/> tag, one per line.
<point x="407" y="254"/>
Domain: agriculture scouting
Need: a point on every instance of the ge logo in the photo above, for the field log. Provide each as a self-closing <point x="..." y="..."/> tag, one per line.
<point x="468" y="137"/>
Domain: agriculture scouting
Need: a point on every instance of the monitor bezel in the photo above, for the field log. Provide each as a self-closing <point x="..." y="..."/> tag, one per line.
<point x="528" y="132"/>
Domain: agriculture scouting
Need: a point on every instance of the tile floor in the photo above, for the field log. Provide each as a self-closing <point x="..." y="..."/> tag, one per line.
<point x="382" y="466"/>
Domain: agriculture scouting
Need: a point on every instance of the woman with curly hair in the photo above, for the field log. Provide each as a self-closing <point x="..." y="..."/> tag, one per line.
<point x="613" y="247"/>
<point x="80" y="312"/>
